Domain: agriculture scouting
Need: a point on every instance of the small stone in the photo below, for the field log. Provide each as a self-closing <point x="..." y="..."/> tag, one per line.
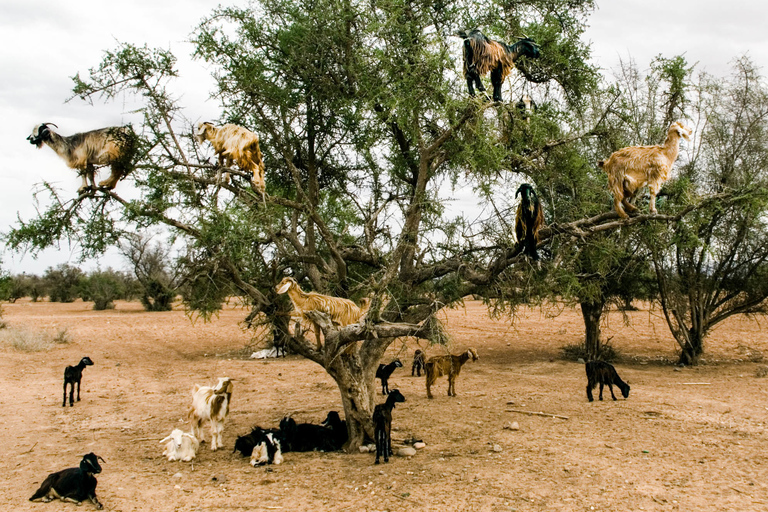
<point x="419" y="445"/>
<point x="406" y="451"/>
<point x="363" y="449"/>
<point x="178" y="475"/>
<point x="220" y="478"/>
<point x="581" y="360"/>
<point x="497" y="448"/>
<point x="511" y="426"/>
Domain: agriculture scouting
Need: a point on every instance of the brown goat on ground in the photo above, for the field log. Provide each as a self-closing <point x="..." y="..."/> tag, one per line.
<point x="483" y="55"/>
<point x="235" y="144"/>
<point x="449" y="365"/>
<point x="114" y="146"/>
<point x="630" y="169"/>
<point x="341" y="311"/>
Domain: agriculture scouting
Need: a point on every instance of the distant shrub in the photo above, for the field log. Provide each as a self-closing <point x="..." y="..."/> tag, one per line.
<point x="26" y="340"/>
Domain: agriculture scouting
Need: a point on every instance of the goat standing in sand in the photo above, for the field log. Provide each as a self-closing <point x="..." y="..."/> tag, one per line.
<point x="114" y="146"/>
<point x="483" y="55"/>
<point x="235" y="144"/>
<point x="630" y="169"/>
<point x="211" y="403"/>
<point x="449" y="365"/>
<point x="341" y="311"/>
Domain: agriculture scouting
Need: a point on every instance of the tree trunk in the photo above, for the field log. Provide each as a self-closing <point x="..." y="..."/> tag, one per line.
<point x="692" y="348"/>
<point x="592" y="311"/>
<point x="356" y="383"/>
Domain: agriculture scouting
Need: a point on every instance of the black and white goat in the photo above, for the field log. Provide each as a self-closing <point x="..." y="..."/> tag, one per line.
<point x="72" y="376"/>
<point x="419" y="359"/>
<point x="384" y="372"/>
<point x="263" y="446"/>
<point x="382" y="425"/>
<point x="114" y="146"/>
<point x="73" y="484"/>
<point x="600" y="372"/>
<point x="339" y="428"/>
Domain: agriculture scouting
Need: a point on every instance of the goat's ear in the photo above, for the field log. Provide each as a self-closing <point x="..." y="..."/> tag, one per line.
<point x="284" y="288"/>
<point x="230" y="387"/>
<point x="195" y="388"/>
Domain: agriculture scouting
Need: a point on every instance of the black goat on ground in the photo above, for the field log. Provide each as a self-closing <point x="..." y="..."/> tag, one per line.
<point x="382" y="425"/>
<point x="73" y="484"/>
<point x="483" y="55"/>
<point x="306" y="437"/>
<point x="339" y="428"/>
<point x="600" y="372"/>
<point x="72" y="376"/>
<point x="528" y="220"/>
<point x="418" y="363"/>
<point x="384" y="372"/>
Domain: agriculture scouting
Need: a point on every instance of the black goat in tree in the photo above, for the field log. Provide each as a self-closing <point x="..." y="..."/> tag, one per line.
<point x="528" y="220"/>
<point x="72" y="376"/>
<point x="483" y="55"/>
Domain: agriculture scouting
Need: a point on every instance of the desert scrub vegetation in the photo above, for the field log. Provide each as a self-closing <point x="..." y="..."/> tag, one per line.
<point x="29" y="340"/>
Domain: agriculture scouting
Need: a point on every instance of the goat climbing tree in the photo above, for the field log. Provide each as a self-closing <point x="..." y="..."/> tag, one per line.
<point x="366" y="130"/>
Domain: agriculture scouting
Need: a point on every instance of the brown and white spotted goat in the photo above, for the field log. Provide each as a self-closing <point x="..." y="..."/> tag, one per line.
<point x="211" y="404"/>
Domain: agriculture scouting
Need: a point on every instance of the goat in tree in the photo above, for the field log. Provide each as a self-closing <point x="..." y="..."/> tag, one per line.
<point x="528" y="220"/>
<point x="483" y="55"/>
<point x="114" y="146"/>
<point x="235" y="144"/>
<point x="630" y="169"/>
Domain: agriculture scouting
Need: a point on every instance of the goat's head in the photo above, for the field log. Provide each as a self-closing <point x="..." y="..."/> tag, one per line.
<point x="473" y="354"/>
<point x="86" y="361"/>
<point x="175" y="436"/>
<point x="524" y="47"/>
<point x="224" y="386"/>
<point x="40" y="133"/>
<point x="285" y="285"/>
<point x="682" y="130"/>
<point x="529" y="195"/>
<point x="332" y="420"/>
<point x="90" y="464"/>
<point x="203" y="131"/>
<point x="397" y="363"/>
<point x="394" y="397"/>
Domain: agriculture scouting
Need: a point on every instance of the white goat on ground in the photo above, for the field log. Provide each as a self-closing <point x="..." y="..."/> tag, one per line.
<point x="180" y="445"/>
<point x="630" y="169"/>
<point x="114" y="146"/>
<point x="212" y="404"/>
<point x="235" y="144"/>
<point x="341" y="311"/>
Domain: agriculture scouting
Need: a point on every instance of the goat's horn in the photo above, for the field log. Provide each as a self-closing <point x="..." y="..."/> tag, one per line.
<point x="101" y="459"/>
<point x="46" y="124"/>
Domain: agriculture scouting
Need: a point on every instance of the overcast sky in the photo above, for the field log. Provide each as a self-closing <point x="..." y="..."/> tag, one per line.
<point x="44" y="42"/>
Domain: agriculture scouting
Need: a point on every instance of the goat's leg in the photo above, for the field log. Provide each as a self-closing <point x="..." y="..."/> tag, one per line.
<point x="71" y="394"/>
<point x="610" y="387"/>
<point x="617" y="205"/>
<point x="111" y="182"/>
<point x="652" y="204"/>
<point x="589" y="392"/>
<point x="496" y="81"/>
<point x="430" y="381"/>
<point x="91" y="172"/>
<point x="64" y="402"/>
<point x="470" y="88"/>
<point x="450" y="385"/>
<point x="317" y="336"/>
<point x="78" y="389"/>
<point x="214" y="436"/>
<point x="84" y="186"/>
<point x="96" y="502"/>
<point x="601" y="391"/>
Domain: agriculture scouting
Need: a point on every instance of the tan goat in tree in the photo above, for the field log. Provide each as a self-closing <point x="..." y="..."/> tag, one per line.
<point x="114" y="146"/>
<point x="630" y="169"/>
<point x="449" y="365"/>
<point x="341" y="311"/>
<point x="235" y="144"/>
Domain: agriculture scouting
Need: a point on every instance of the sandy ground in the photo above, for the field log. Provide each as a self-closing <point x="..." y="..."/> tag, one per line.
<point x="686" y="439"/>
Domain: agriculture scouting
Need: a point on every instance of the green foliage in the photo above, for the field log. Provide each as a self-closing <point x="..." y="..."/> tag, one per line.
<point x="103" y="288"/>
<point x="63" y="283"/>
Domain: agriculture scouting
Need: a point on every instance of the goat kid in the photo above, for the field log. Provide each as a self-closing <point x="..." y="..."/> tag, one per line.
<point x="114" y="146"/>
<point x="419" y="360"/>
<point x="74" y="484"/>
<point x="600" y="372"/>
<point x="180" y="445"/>
<point x="72" y="376"/>
<point x="483" y="55"/>
<point x="384" y="372"/>
<point x="449" y="365"/>
<point x="235" y="144"/>
<point x="382" y="425"/>
<point x="630" y="169"/>
<point x="211" y="404"/>
<point x="528" y="220"/>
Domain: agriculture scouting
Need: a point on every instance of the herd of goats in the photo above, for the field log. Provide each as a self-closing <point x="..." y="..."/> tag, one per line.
<point x="628" y="169"/>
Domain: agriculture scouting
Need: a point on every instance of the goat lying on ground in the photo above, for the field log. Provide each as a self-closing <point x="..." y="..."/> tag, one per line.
<point x="382" y="425"/>
<point x="212" y="404"/>
<point x="341" y="311"/>
<point x="306" y="437"/>
<point x="384" y="372"/>
<point x="180" y="445"/>
<point x="630" y="169"/>
<point x="483" y="55"/>
<point x="338" y="427"/>
<point x="418" y="363"/>
<point x="114" y="146"/>
<point x="72" y="376"/>
<point x="528" y="220"/>
<point x="233" y="143"/>
<point x="449" y="365"/>
<point x="73" y="484"/>
<point x="600" y="372"/>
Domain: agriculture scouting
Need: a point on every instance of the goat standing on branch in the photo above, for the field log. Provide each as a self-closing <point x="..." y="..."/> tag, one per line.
<point x="528" y="220"/>
<point x="114" y="146"/>
<point x="449" y="365"/>
<point x="341" y="311"/>
<point x="235" y="144"/>
<point x="483" y="55"/>
<point x="630" y="169"/>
